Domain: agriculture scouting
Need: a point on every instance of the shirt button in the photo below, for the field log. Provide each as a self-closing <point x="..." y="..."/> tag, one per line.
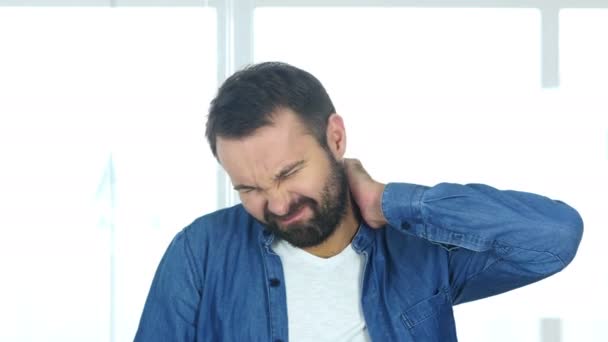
<point x="274" y="282"/>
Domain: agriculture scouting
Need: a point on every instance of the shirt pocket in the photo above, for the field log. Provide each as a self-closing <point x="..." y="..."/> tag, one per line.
<point x="431" y="319"/>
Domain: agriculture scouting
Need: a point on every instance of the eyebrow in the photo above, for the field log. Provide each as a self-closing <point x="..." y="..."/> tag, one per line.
<point x="284" y="171"/>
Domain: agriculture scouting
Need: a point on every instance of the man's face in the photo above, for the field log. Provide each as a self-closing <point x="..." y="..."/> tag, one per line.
<point x="287" y="181"/>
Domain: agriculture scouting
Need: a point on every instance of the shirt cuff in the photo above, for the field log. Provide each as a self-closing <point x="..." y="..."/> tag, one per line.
<point x="401" y="203"/>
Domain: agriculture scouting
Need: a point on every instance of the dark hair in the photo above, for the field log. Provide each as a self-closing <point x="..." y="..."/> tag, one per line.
<point x="248" y="99"/>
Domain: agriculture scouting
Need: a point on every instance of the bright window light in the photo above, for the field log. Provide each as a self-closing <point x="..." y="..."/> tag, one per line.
<point x="102" y="114"/>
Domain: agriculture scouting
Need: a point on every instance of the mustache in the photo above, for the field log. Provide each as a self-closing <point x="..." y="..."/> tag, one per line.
<point x="293" y="208"/>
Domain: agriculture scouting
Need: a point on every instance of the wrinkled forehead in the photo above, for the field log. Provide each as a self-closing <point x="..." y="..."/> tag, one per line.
<point x="267" y="150"/>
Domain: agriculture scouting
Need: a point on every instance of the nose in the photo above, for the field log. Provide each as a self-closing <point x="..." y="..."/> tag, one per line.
<point x="278" y="202"/>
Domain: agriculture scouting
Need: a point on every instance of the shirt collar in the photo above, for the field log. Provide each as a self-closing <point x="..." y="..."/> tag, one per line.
<point x="264" y="236"/>
<point x="363" y="238"/>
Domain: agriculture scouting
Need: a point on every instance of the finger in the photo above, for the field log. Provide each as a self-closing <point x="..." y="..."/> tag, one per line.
<point x="356" y="166"/>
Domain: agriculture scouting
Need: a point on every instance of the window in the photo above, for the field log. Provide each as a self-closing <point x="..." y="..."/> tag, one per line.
<point x="425" y="76"/>
<point x="104" y="161"/>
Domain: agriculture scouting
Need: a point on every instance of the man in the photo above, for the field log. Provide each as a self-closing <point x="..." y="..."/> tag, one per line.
<point x="320" y="251"/>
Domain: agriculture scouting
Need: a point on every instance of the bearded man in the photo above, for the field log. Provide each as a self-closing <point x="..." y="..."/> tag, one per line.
<point x="320" y="251"/>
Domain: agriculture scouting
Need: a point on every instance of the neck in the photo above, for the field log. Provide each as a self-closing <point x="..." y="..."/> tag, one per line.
<point x="341" y="237"/>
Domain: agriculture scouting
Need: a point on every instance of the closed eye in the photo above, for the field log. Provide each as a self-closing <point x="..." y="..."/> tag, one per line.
<point x="290" y="170"/>
<point x="288" y="174"/>
<point x="244" y="189"/>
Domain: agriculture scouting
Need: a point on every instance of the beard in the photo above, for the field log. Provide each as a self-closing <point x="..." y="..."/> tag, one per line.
<point x="326" y="217"/>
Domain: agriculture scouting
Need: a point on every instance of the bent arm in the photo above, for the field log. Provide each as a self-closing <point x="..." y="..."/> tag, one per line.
<point x="496" y="240"/>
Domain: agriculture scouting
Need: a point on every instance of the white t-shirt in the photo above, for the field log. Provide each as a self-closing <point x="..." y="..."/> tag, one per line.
<point x="323" y="295"/>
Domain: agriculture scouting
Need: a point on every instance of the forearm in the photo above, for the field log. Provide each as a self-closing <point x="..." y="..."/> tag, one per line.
<point x="480" y="218"/>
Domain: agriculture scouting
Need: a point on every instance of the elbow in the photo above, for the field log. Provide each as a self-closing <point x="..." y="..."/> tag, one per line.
<point x="560" y="243"/>
<point x="570" y="236"/>
<point x="556" y="251"/>
<point x="563" y="236"/>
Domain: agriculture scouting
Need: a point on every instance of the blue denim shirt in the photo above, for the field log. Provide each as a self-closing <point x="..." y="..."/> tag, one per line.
<point x="219" y="280"/>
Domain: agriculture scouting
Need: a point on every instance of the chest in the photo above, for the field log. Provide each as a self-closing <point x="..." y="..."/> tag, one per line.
<point x="255" y="299"/>
<point x="323" y="296"/>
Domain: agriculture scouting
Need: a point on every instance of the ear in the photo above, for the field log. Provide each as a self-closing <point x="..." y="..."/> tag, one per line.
<point x="336" y="136"/>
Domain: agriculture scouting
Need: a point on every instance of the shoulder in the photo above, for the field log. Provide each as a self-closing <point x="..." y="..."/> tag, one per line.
<point x="225" y="237"/>
<point x="228" y="225"/>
